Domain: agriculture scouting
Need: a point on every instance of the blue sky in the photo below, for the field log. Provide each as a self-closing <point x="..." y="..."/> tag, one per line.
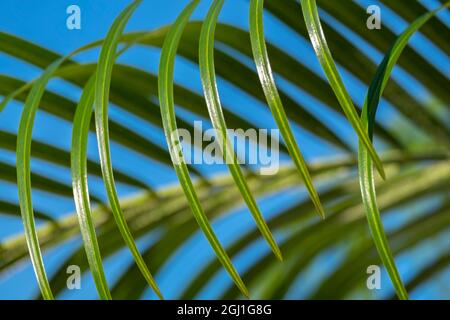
<point x="44" y="22"/>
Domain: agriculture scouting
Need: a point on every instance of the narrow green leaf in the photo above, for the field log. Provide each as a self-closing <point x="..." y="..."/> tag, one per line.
<point x="101" y="101"/>
<point x="273" y="98"/>
<point x="323" y="53"/>
<point x="23" y="151"/>
<point x="80" y="187"/>
<point x="165" y="86"/>
<point x="207" y="73"/>
<point x="81" y="126"/>
<point x="365" y="162"/>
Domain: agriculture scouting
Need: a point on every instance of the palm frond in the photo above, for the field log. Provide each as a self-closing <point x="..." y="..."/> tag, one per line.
<point x="412" y="147"/>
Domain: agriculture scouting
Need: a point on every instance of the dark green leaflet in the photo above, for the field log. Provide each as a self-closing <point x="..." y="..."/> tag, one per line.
<point x="365" y="162"/>
<point x="323" y="53"/>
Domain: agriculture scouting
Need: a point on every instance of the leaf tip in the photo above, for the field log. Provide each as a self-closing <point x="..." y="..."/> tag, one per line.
<point x="245" y="291"/>
<point x="381" y="171"/>
<point x="276" y="250"/>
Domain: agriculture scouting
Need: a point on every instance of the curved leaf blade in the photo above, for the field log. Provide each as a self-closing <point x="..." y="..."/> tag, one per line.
<point x="101" y="101"/>
<point x="165" y="87"/>
<point x="261" y="59"/>
<point x="323" y="53"/>
<point x="365" y="166"/>
<point x="80" y="134"/>
<point x="23" y="155"/>
<point x="207" y="73"/>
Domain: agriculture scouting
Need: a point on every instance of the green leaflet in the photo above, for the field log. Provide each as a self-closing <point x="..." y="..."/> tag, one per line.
<point x="279" y="276"/>
<point x="207" y="73"/>
<point x="23" y="171"/>
<point x="165" y="87"/>
<point x="101" y="101"/>
<point x="81" y="126"/>
<point x="80" y="188"/>
<point x="365" y="162"/>
<point x="23" y="154"/>
<point x="323" y="53"/>
<point x="23" y="151"/>
<point x="273" y="98"/>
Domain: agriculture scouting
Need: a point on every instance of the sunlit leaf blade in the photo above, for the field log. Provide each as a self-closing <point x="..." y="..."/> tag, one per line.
<point x="344" y="219"/>
<point x="352" y="59"/>
<point x="23" y="151"/>
<point x="65" y="109"/>
<point x="365" y="162"/>
<point x="165" y="81"/>
<point x="23" y="155"/>
<point x="207" y="73"/>
<point x="101" y="101"/>
<point x="273" y="98"/>
<point x="323" y="53"/>
<point x="80" y="134"/>
<point x="80" y="187"/>
<point x="347" y="276"/>
<point x="347" y="54"/>
<point x="435" y="30"/>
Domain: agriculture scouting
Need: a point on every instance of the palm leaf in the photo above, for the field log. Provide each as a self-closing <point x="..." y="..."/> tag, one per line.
<point x="323" y="53"/>
<point x="170" y="128"/>
<point x="206" y="64"/>
<point x="365" y="163"/>
<point x="415" y="193"/>
<point x="80" y="188"/>
<point x="273" y="98"/>
<point x="101" y="100"/>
